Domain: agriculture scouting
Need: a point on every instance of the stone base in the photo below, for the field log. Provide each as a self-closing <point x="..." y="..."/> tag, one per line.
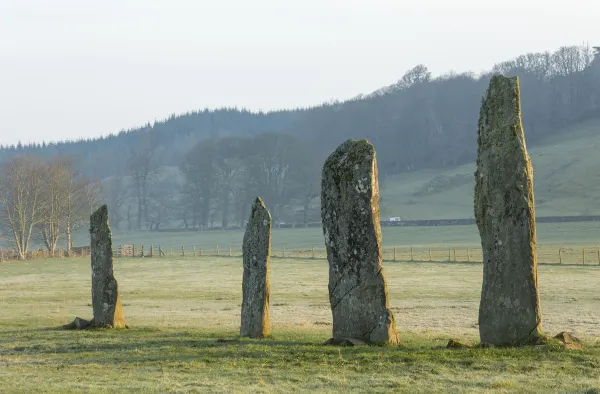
<point x="344" y="342"/>
<point x="563" y="339"/>
<point x="79" y="324"/>
<point x="82" y="324"/>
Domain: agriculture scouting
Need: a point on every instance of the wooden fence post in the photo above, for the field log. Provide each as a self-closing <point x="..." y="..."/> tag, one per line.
<point x="449" y="258"/>
<point x="429" y="254"/>
<point x="598" y="256"/>
<point x="394" y="253"/>
<point x="559" y="255"/>
<point x="454" y="254"/>
<point x="217" y="250"/>
<point x="583" y="256"/>
<point x="151" y="250"/>
<point x="411" y="254"/>
<point x="469" y="255"/>
<point x="313" y="253"/>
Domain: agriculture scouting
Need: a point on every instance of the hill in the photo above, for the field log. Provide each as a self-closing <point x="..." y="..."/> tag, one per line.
<point x="566" y="181"/>
<point x="201" y="170"/>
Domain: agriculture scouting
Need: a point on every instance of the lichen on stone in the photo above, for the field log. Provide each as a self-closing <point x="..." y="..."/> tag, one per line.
<point x="351" y="228"/>
<point x="505" y="215"/>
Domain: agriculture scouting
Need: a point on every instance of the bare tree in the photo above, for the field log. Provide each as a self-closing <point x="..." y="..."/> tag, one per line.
<point x="197" y="167"/>
<point x="77" y="205"/>
<point x="21" y="197"/>
<point x="142" y="167"/>
<point x="115" y="195"/>
<point x="55" y="195"/>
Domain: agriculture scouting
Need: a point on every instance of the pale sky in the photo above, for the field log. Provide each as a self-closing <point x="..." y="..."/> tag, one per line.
<point x="82" y="68"/>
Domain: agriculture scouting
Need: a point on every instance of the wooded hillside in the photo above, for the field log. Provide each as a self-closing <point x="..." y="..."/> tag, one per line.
<point x="201" y="169"/>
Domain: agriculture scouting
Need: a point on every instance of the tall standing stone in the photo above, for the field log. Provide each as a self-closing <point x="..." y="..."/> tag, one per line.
<point x="106" y="302"/>
<point x="256" y="291"/>
<point x="350" y="216"/>
<point x="509" y="312"/>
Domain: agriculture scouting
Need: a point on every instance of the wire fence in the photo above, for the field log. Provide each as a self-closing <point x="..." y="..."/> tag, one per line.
<point x="566" y="255"/>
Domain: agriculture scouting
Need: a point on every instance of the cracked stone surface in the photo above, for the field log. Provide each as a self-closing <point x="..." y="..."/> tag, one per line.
<point x="256" y="291"/>
<point x="106" y="301"/>
<point x="350" y="216"/>
<point x="509" y="311"/>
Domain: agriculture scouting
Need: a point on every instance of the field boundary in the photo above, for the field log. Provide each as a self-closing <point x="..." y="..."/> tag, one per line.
<point x="565" y="255"/>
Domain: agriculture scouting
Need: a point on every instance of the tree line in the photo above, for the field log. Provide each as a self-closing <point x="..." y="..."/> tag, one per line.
<point x="214" y="183"/>
<point x="44" y="202"/>
<point x="200" y="170"/>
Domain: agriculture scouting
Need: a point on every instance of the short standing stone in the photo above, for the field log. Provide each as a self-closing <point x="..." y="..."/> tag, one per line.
<point x="255" y="286"/>
<point x="509" y="312"/>
<point x="106" y="302"/>
<point x="350" y="216"/>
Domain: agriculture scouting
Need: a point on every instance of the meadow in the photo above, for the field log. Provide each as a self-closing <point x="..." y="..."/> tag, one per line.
<point x="183" y="316"/>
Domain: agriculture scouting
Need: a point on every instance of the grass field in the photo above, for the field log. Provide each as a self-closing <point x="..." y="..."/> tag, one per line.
<point x="584" y="233"/>
<point x="184" y="319"/>
<point x="566" y="181"/>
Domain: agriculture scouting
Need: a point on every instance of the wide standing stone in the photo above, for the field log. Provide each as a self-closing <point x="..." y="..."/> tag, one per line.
<point x="509" y="312"/>
<point x="350" y="216"/>
<point x="106" y="302"/>
<point x="256" y="322"/>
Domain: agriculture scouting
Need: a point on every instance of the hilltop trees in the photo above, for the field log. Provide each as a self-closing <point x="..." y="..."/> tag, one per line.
<point x="202" y="169"/>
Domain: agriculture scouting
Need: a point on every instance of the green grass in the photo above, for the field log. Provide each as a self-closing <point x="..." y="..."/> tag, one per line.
<point x="178" y="310"/>
<point x="566" y="181"/>
<point x="583" y="233"/>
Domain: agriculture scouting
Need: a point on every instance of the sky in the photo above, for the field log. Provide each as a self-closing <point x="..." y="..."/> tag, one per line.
<point x="81" y="68"/>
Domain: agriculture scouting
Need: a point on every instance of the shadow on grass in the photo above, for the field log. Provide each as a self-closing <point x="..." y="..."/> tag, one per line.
<point x="149" y="345"/>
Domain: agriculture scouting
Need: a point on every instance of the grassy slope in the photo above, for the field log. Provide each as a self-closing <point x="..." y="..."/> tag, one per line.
<point x="177" y="309"/>
<point x="566" y="181"/>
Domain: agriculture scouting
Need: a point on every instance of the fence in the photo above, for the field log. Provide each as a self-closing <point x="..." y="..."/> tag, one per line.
<point x="546" y="254"/>
<point x="571" y="255"/>
<point x="81" y="251"/>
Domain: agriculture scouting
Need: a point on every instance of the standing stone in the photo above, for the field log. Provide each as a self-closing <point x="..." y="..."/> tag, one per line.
<point x="509" y="312"/>
<point x="255" y="286"/>
<point x="350" y="216"/>
<point x="105" y="292"/>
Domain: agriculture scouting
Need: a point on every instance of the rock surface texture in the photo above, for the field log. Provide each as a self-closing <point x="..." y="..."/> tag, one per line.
<point x="255" y="286"/>
<point x="106" y="302"/>
<point x="509" y="311"/>
<point x="350" y="216"/>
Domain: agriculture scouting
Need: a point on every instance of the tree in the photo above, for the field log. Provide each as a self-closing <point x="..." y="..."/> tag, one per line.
<point x="115" y="193"/>
<point x="55" y="196"/>
<point x="271" y="167"/>
<point x="307" y="179"/>
<point x="82" y="198"/>
<point x="197" y="167"/>
<point x="21" y="197"/>
<point x="228" y="165"/>
<point x="142" y="167"/>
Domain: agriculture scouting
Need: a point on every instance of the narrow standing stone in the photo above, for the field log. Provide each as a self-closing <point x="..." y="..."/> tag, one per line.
<point x="256" y="322"/>
<point x="509" y="312"/>
<point x="106" y="302"/>
<point x="350" y="216"/>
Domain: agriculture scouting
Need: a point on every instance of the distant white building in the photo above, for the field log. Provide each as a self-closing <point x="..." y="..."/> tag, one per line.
<point x="394" y="219"/>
